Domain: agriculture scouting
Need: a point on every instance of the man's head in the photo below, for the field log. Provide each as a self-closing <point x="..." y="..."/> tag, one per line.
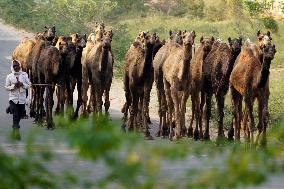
<point x="16" y="66"/>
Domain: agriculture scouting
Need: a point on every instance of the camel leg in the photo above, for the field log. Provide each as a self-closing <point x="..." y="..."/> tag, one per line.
<point x="165" y="129"/>
<point x="85" y="86"/>
<point x="183" y="111"/>
<point x="159" y="132"/>
<point x="176" y="100"/>
<point x="244" y="126"/>
<point x="220" y="105"/>
<point x="190" y="128"/>
<point x="79" y="100"/>
<point x="49" y="105"/>
<point x="249" y="106"/>
<point x="261" y="113"/>
<point x="195" y="108"/>
<point x="145" y="111"/>
<point x="170" y="108"/>
<point x="127" y="103"/>
<point x="236" y="99"/>
<point x="208" y="115"/>
<point x="133" y="109"/>
<point x="107" y="102"/>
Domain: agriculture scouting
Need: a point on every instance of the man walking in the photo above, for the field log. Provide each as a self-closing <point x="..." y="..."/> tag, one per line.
<point x="17" y="83"/>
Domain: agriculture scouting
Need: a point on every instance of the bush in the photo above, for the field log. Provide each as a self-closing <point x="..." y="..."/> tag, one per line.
<point x="270" y="23"/>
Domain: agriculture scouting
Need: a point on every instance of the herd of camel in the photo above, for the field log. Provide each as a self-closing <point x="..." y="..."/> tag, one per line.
<point x="178" y="69"/>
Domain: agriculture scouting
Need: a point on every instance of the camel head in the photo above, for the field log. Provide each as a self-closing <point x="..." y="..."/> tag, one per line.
<point x="269" y="52"/>
<point x="99" y="31"/>
<point x="62" y="44"/>
<point x="207" y="43"/>
<point x="235" y="44"/>
<point x="264" y="39"/>
<point x="188" y="37"/>
<point x="176" y="36"/>
<point x="79" y="40"/>
<point x="107" y="38"/>
<point x="49" y="33"/>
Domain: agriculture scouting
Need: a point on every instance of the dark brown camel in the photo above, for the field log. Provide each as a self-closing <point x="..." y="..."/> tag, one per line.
<point x="249" y="81"/>
<point x="177" y="79"/>
<point x="196" y="85"/>
<point x="98" y="70"/>
<point x="216" y="71"/>
<point x="76" y="71"/>
<point x="138" y="66"/>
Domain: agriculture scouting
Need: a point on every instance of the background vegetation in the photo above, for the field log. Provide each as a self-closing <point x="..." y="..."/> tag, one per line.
<point x="132" y="162"/>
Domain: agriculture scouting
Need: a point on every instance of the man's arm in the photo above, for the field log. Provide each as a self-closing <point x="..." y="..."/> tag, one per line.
<point x="8" y="85"/>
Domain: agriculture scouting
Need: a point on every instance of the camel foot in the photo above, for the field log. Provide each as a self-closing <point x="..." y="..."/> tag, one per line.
<point x="50" y="126"/>
<point x="177" y="137"/>
<point x="171" y="135"/>
<point x="183" y="131"/>
<point x="32" y="114"/>
<point x="263" y="142"/>
<point x="165" y="133"/>
<point x="196" y="134"/>
<point x="123" y="128"/>
<point x="149" y="120"/>
<point x="220" y="140"/>
<point x="74" y="116"/>
<point x="148" y="137"/>
<point x="158" y="133"/>
<point x="206" y="136"/>
<point x="231" y="134"/>
<point x="190" y="132"/>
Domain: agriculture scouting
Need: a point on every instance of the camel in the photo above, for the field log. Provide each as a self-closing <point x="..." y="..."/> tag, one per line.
<point x="177" y="78"/>
<point x="249" y="80"/>
<point x="92" y="39"/>
<point x="42" y="41"/>
<point x="49" y="73"/>
<point x="174" y="40"/>
<point x="76" y="71"/>
<point x="196" y="85"/>
<point x="67" y="55"/>
<point x="22" y="52"/>
<point x="138" y="66"/>
<point x="97" y="69"/>
<point x="263" y="40"/>
<point x="216" y="71"/>
<point x="158" y="44"/>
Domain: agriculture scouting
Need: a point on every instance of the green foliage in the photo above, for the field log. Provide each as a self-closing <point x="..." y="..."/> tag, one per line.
<point x="253" y="7"/>
<point x="270" y="23"/>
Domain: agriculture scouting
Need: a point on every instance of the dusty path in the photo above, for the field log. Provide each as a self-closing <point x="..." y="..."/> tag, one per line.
<point x="9" y="38"/>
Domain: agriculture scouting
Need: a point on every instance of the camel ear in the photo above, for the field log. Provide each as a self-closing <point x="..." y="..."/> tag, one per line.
<point x="76" y="34"/>
<point x="85" y="36"/>
<point x="241" y="41"/>
<point x="268" y="33"/>
<point x="170" y="32"/>
<point x="229" y="40"/>
<point x="212" y="38"/>
<point x="53" y="28"/>
<point x="179" y="32"/>
<point x="45" y="27"/>
<point x="194" y="35"/>
<point x="258" y="33"/>
<point x="201" y="39"/>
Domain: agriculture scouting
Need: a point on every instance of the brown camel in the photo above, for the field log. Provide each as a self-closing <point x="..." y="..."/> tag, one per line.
<point x="22" y="52"/>
<point x="196" y="85"/>
<point x="176" y="78"/>
<point x="42" y="41"/>
<point x="138" y="66"/>
<point x="175" y="39"/>
<point x="98" y="70"/>
<point x="263" y="40"/>
<point x="158" y="44"/>
<point x="216" y="71"/>
<point x="249" y="81"/>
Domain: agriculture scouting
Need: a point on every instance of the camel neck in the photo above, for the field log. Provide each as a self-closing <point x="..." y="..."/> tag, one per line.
<point x="187" y="55"/>
<point x="148" y="60"/>
<point x="104" y="63"/>
<point x="264" y="72"/>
